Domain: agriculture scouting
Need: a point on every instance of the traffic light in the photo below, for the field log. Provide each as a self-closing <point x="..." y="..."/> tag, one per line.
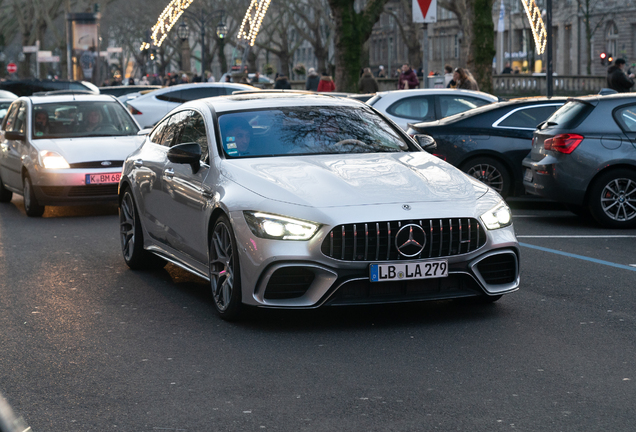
<point x="603" y="57"/>
<point x="610" y="59"/>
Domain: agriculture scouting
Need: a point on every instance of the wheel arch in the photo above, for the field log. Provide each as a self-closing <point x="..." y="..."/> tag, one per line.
<point x="622" y="165"/>
<point x="496" y="156"/>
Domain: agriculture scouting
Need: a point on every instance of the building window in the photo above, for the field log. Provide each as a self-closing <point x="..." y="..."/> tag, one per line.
<point x="611" y="36"/>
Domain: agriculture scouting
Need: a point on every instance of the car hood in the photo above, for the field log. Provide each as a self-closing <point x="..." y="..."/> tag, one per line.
<point x="76" y="150"/>
<point x="352" y="180"/>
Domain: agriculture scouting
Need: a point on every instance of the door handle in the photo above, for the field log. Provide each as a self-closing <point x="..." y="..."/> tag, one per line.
<point x="168" y="172"/>
<point x="138" y="163"/>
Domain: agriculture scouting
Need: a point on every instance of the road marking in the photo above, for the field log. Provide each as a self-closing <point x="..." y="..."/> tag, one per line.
<point x="576" y="236"/>
<point x="581" y="257"/>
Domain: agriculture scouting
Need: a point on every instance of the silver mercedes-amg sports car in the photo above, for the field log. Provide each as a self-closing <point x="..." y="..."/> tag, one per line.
<point x="301" y="200"/>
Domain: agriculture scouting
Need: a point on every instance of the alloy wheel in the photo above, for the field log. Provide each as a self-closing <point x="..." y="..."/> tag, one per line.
<point x="127" y="226"/>
<point x="489" y="175"/>
<point x="222" y="266"/>
<point x="618" y="199"/>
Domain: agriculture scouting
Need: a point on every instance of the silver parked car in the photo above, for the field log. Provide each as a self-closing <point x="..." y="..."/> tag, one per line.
<point x="300" y="200"/>
<point x="64" y="150"/>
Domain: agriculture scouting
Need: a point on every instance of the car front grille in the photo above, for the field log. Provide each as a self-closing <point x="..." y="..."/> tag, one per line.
<point x="375" y="241"/>
<point x="93" y="190"/>
<point x="289" y="282"/>
<point x="498" y="269"/>
<point x="53" y="191"/>
<point x="98" y="164"/>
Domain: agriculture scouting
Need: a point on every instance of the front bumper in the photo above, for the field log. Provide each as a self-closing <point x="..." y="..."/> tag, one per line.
<point x="291" y="274"/>
<point x="69" y="187"/>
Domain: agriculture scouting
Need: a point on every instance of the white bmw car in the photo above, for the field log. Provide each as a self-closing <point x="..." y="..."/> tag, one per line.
<point x="299" y="200"/>
<point x="64" y="150"/>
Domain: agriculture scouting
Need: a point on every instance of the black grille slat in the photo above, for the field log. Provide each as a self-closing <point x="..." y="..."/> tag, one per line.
<point x="97" y="164"/>
<point x="93" y="190"/>
<point x="498" y="269"/>
<point x="289" y="282"/>
<point x="445" y="237"/>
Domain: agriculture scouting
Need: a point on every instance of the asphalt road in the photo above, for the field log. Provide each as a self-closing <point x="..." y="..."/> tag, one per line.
<point x="89" y="345"/>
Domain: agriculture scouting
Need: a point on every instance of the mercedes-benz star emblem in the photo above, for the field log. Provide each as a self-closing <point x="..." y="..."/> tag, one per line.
<point x="406" y="207"/>
<point x="410" y="240"/>
<point x="107" y="163"/>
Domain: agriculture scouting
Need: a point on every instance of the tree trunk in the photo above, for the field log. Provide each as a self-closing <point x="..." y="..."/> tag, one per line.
<point x="483" y="44"/>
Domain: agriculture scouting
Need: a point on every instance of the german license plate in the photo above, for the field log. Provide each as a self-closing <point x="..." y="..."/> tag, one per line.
<point x="528" y="175"/>
<point x="408" y="271"/>
<point x="103" y="178"/>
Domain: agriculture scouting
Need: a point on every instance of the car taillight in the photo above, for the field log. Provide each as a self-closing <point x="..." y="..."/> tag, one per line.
<point x="563" y="143"/>
<point x="133" y="110"/>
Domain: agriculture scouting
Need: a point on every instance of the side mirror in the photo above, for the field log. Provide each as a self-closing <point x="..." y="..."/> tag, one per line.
<point x="144" y="132"/>
<point x="189" y="153"/>
<point x="14" y="136"/>
<point x="427" y="142"/>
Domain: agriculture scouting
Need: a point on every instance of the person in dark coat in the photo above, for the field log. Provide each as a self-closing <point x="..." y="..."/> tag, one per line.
<point x="617" y="79"/>
<point x="367" y="83"/>
<point x="312" y="80"/>
<point x="408" y="78"/>
<point x="464" y="80"/>
<point x="282" y="83"/>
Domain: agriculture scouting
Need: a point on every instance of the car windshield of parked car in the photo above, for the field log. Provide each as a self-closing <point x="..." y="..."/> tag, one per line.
<point x="74" y="119"/>
<point x="308" y="131"/>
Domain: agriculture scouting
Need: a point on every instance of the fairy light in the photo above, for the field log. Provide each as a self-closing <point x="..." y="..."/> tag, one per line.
<point x="166" y="21"/>
<point x="536" y="23"/>
<point x="253" y="19"/>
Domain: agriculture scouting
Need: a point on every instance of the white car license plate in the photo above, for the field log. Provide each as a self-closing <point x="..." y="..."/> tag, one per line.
<point x="528" y="175"/>
<point x="102" y="178"/>
<point x="408" y="271"/>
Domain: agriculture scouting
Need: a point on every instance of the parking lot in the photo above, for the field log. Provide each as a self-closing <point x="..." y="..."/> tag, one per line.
<point x="90" y="345"/>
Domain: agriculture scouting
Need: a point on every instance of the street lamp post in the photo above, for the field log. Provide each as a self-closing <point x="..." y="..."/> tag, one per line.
<point x="202" y="21"/>
<point x="183" y="31"/>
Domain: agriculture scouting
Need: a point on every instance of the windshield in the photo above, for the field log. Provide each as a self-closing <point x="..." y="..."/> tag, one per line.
<point x="81" y="119"/>
<point x="308" y="131"/>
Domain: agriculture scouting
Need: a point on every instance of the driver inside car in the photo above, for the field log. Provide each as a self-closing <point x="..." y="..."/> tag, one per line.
<point x="237" y="137"/>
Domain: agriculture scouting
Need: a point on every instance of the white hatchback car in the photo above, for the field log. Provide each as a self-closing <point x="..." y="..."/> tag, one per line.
<point x="420" y="105"/>
<point x="64" y="150"/>
<point x="148" y="109"/>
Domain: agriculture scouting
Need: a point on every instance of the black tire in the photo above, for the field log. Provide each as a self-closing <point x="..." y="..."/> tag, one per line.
<point x="5" y="194"/>
<point x="490" y="172"/>
<point x="31" y="205"/>
<point x="225" y="273"/>
<point x="132" y="237"/>
<point x="612" y="199"/>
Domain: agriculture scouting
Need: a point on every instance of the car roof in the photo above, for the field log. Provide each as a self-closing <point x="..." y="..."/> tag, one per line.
<point x="434" y="91"/>
<point x="597" y="97"/>
<point x="69" y="98"/>
<point x="259" y="100"/>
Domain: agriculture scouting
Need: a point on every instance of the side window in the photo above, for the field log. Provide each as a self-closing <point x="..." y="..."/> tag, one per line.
<point x="169" y="133"/>
<point x="172" y="96"/>
<point x="417" y="108"/>
<point x="194" y="131"/>
<point x="10" y="118"/>
<point x="528" y="118"/>
<point x="157" y="132"/>
<point x="626" y="118"/>
<point x="200" y="93"/>
<point x="451" y="105"/>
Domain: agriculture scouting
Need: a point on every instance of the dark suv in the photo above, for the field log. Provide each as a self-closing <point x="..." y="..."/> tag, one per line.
<point x="584" y="156"/>
<point x="27" y="87"/>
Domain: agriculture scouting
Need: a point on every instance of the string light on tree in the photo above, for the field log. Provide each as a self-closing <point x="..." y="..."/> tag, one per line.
<point x="536" y="23"/>
<point x="252" y="21"/>
<point x="167" y="20"/>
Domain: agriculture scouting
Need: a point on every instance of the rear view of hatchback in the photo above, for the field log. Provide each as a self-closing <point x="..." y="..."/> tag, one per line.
<point x="584" y="156"/>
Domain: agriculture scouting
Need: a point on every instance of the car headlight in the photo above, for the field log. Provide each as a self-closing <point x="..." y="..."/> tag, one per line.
<point x="52" y="160"/>
<point x="271" y="226"/>
<point x="497" y="217"/>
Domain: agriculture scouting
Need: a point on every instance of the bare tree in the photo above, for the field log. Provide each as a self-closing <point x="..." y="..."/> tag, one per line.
<point x="313" y="25"/>
<point x="275" y="35"/>
<point x="592" y="10"/>
<point x="409" y="31"/>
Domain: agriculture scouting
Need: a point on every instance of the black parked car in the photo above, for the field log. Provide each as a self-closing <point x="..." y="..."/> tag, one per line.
<point x="27" y="87"/>
<point x="490" y="142"/>
<point x="584" y="156"/>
